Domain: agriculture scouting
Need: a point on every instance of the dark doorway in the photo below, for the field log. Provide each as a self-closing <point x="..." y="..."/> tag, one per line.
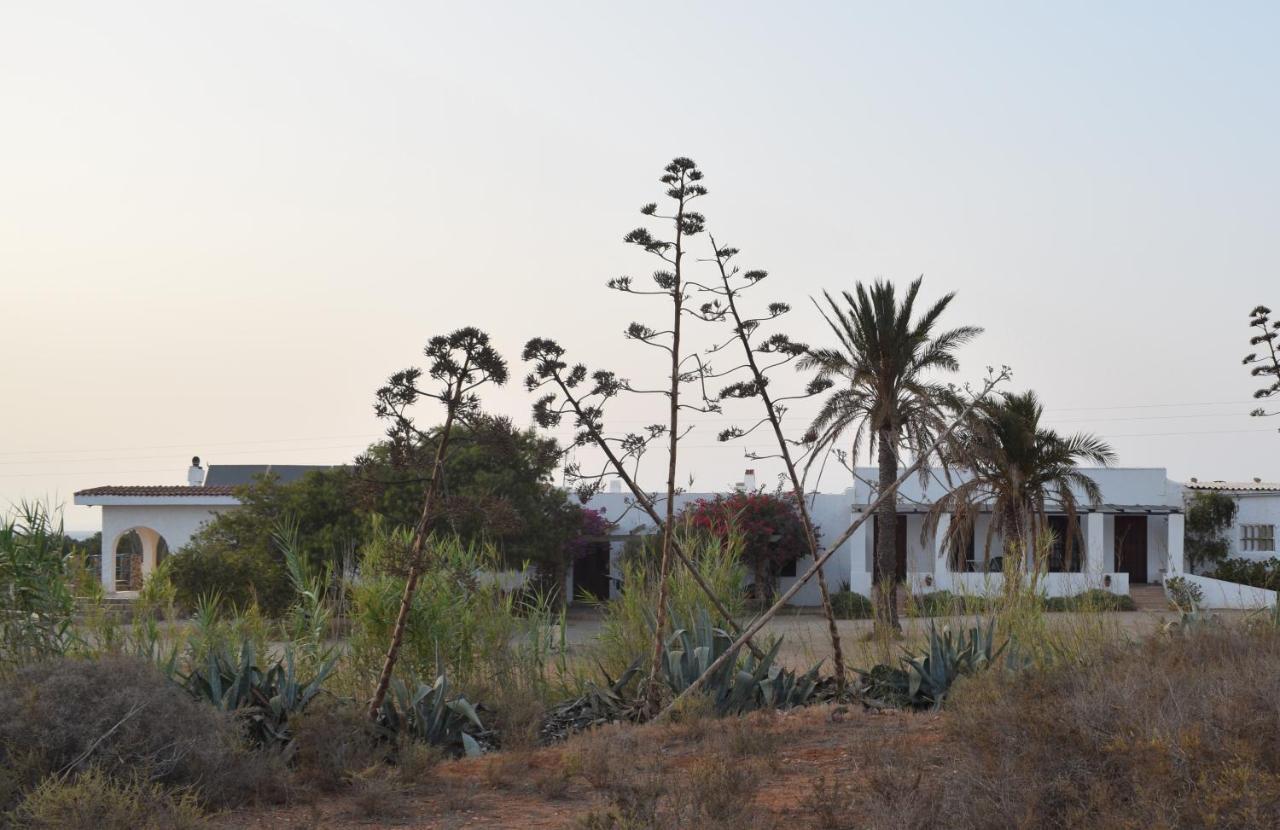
<point x="591" y="574"/>
<point x="1131" y="548"/>
<point x="1066" y="549"/>
<point x="900" y="542"/>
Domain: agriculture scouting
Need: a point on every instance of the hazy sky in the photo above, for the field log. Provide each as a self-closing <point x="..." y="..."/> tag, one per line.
<point x="222" y="227"/>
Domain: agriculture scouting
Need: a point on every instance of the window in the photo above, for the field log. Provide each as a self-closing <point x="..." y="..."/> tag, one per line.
<point x="1258" y="537"/>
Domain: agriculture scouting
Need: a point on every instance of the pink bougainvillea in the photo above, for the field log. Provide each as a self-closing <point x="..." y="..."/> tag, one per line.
<point x="770" y="526"/>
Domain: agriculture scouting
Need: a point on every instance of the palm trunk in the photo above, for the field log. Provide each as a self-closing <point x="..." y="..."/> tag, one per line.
<point x="887" y="542"/>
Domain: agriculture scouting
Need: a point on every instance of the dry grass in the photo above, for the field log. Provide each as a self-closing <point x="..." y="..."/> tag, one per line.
<point x="1174" y="732"/>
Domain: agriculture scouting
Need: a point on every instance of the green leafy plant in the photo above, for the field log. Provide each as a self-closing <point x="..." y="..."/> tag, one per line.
<point x="431" y="713"/>
<point x="1094" y="599"/>
<point x="849" y="605"/>
<point x="923" y="679"/>
<point x="599" y="704"/>
<point x="1184" y="594"/>
<point x="36" y="603"/>
<point x="735" y="687"/>
<point x="265" y="698"/>
<point x="1257" y="573"/>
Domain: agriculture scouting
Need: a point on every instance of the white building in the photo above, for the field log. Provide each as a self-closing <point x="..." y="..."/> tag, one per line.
<point x="142" y="524"/>
<point x="1257" y="514"/>
<point x="1133" y="537"/>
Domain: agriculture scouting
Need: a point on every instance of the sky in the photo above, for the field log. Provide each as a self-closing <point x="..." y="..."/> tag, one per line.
<point x="223" y="225"/>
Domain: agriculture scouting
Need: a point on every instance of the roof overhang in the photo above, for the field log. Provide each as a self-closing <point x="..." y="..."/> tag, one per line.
<point x="157" y="501"/>
<point x="1128" y="509"/>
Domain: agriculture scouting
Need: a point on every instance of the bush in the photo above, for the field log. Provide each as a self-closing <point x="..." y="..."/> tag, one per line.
<point x="1186" y="595"/>
<point x="457" y="622"/>
<point x="36" y="604"/>
<point x="946" y="604"/>
<point x="848" y="605"/>
<point x="1172" y="732"/>
<point x="97" y="801"/>
<point x="240" y="577"/>
<point x="628" y="620"/>
<point x="1259" y="574"/>
<point x="124" y="717"/>
<point x="1095" y="599"/>
<point x="334" y="740"/>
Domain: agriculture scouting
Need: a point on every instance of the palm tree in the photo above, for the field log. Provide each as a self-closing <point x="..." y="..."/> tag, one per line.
<point x="883" y="394"/>
<point x="1019" y="469"/>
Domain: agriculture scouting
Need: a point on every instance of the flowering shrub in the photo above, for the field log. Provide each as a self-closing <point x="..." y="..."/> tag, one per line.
<point x="772" y="534"/>
<point x="593" y="533"/>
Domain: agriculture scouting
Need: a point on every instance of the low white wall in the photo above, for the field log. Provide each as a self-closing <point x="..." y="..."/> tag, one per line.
<point x="1049" y="585"/>
<point x="1221" y="594"/>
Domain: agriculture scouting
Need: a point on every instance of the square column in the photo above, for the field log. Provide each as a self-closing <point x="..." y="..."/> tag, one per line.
<point x="1176" y="562"/>
<point x="1094" y="555"/>
<point x="941" y="559"/>
<point x="859" y="574"/>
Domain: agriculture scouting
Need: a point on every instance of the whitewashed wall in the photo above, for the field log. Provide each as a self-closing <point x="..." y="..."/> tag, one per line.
<point x="176" y="523"/>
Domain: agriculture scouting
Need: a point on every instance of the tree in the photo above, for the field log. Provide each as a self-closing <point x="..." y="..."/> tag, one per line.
<point x="497" y="489"/>
<point x="461" y="363"/>
<point x="760" y="356"/>
<point x="769" y="526"/>
<point x="1266" y="365"/>
<point x="683" y="182"/>
<point x="885" y="356"/>
<point x="1018" y="469"/>
<point x="1210" y="516"/>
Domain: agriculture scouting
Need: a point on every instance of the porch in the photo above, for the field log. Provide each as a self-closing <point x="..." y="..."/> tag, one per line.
<point x="1112" y="548"/>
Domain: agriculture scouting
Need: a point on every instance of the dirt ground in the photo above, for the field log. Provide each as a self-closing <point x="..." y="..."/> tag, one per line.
<point x="501" y="790"/>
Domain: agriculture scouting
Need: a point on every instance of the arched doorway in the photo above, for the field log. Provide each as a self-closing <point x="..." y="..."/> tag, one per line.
<point x="137" y="553"/>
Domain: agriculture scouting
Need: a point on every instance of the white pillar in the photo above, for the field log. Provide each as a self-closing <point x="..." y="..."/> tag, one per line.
<point x="941" y="558"/>
<point x="1175" y="563"/>
<point x="859" y="574"/>
<point x="1093" y="546"/>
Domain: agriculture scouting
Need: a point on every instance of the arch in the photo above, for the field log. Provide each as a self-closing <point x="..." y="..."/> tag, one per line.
<point x="135" y="553"/>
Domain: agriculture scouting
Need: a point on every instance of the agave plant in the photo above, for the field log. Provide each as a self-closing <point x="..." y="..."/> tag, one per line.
<point x="923" y="680"/>
<point x="734" y="689"/>
<point x="429" y="714"/>
<point x="265" y="699"/>
<point x="597" y="705"/>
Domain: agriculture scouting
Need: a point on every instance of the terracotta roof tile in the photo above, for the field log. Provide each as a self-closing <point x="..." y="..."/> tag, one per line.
<point x="158" y="490"/>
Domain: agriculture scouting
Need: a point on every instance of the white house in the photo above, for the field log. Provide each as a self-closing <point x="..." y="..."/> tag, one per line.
<point x="1133" y="537"/>
<point x="142" y="524"/>
<point x="1257" y="514"/>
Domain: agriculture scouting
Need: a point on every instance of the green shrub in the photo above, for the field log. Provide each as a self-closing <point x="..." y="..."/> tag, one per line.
<point x="241" y="577"/>
<point x="946" y="604"/>
<point x="1186" y="595"/>
<point x="97" y="801"/>
<point x="1259" y="574"/>
<point x="36" y="603"/>
<point x="849" y="605"/>
<point x="122" y="716"/>
<point x="458" y="621"/>
<point x="1094" y="599"/>
<point x="628" y="619"/>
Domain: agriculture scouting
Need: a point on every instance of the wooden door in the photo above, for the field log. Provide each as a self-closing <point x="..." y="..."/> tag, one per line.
<point x="1131" y="548"/>
<point x="900" y="543"/>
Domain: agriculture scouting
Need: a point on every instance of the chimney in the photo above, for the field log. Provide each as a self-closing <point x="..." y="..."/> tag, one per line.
<point x="749" y="481"/>
<point x="615" y="486"/>
<point x="195" y="474"/>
